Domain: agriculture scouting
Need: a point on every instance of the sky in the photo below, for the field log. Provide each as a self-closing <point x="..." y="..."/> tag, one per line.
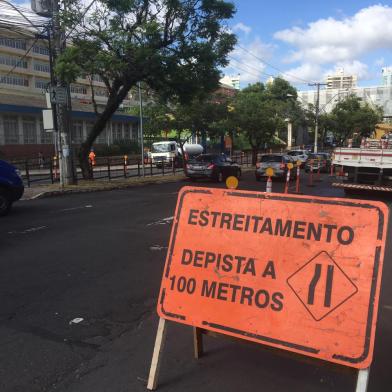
<point x="305" y="40"/>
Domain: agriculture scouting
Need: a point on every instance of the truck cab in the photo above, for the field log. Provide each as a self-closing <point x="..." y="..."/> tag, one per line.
<point x="11" y="187"/>
<point x="164" y="153"/>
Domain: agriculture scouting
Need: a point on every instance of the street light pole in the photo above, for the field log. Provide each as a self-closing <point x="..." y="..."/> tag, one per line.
<point x="141" y="126"/>
<point x="317" y="113"/>
<point x="62" y="107"/>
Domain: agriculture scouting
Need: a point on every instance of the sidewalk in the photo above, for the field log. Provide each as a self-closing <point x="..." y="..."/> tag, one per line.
<point x="49" y="190"/>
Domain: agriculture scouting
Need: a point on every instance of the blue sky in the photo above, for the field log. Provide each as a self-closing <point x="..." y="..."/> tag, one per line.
<point x="309" y="39"/>
<point x="306" y="40"/>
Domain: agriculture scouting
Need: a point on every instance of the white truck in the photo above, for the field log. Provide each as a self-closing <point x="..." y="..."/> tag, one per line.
<point x="169" y="152"/>
<point x="368" y="167"/>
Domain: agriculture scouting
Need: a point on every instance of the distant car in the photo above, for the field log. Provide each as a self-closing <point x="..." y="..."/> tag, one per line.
<point x="299" y="155"/>
<point x="214" y="166"/>
<point x="320" y="159"/>
<point x="278" y="162"/>
<point x="11" y="187"/>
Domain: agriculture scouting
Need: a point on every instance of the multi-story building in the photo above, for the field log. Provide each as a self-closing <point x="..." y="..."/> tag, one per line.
<point x="341" y="81"/>
<point x="386" y="76"/>
<point x="374" y="96"/>
<point x="24" y="78"/>
<point x="232" y="81"/>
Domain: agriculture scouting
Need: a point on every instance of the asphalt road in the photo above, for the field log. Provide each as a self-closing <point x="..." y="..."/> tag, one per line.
<point x="99" y="257"/>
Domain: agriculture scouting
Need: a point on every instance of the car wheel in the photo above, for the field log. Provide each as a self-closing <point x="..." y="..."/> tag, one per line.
<point x="5" y="203"/>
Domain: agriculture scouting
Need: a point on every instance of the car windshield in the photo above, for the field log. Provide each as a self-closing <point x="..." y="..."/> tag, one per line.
<point x="160" y="147"/>
<point x="271" y="158"/>
<point x="294" y="153"/>
<point x="206" y="158"/>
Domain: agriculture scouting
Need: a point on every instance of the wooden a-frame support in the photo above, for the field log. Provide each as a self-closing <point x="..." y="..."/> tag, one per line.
<point x="152" y="383"/>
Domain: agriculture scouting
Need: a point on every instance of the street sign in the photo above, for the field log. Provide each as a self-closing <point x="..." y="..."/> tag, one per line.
<point x="297" y="273"/>
<point x="58" y="95"/>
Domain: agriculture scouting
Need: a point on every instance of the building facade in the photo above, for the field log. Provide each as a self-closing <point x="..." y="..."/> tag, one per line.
<point x="387" y="76"/>
<point x="374" y="96"/>
<point x="341" y="81"/>
<point x="24" y="79"/>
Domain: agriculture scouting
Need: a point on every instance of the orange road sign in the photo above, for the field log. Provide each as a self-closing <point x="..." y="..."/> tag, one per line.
<point x="296" y="272"/>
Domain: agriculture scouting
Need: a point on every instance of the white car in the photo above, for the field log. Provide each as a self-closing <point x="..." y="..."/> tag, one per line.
<point x="298" y="155"/>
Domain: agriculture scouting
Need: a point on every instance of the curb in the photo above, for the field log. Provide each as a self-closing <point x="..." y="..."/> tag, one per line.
<point x="152" y="181"/>
<point x="60" y="192"/>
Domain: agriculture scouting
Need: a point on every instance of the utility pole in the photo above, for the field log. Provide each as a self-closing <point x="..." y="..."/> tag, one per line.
<point x="141" y="125"/>
<point x="317" y="112"/>
<point x="62" y="103"/>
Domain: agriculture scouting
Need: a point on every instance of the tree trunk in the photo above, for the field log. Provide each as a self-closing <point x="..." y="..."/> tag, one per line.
<point x="255" y="150"/>
<point x="114" y="101"/>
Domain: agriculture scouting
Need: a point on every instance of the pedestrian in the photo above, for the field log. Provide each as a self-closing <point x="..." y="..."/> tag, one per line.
<point x="91" y="157"/>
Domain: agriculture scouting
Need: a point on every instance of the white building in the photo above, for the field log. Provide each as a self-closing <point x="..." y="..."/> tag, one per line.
<point x="24" y="77"/>
<point x="387" y="76"/>
<point x="233" y="81"/>
<point x="341" y="81"/>
<point x="374" y="96"/>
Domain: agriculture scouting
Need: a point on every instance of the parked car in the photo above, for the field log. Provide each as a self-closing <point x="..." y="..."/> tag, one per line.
<point x="214" y="166"/>
<point x="278" y="162"/>
<point x="11" y="187"/>
<point x="299" y="155"/>
<point x="321" y="158"/>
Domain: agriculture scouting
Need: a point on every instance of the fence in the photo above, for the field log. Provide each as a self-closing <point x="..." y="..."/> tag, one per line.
<point x="46" y="171"/>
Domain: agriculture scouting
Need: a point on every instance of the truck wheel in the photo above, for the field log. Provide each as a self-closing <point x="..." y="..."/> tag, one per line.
<point x="5" y="203"/>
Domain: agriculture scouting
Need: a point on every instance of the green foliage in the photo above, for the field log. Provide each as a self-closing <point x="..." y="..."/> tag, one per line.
<point x="121" y="147"/>
<point x="260" y="110"/>
<point x="352" y="117"/>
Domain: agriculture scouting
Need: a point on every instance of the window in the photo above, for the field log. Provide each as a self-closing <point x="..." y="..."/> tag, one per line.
<point x="11" y="130"/>
<point x="102" y="137"/>
<point x="41" y="67"/>
<point x="44" y="50"/>
<point x="41" y="84"/>
<point x="77" y="132"/>
<point x="29" y="130"/>
<point x="78" y="89"/>
<point x="127" y="131"/>
<point x="13" y="61"/>
<point x="14" y="80"/>
<point x="13" y="43"/>
<point x="117" y="131"/>
<point x="46" y="137"/>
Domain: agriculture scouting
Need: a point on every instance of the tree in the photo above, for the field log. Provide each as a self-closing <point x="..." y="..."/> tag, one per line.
<point x="198" y="117"/>
<point x="260" y="111"/>
<point x="352" y="117"/>
<point x="175" y="47"/>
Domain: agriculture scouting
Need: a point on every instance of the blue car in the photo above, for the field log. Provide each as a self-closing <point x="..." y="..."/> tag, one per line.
<point x="11" y="186"/>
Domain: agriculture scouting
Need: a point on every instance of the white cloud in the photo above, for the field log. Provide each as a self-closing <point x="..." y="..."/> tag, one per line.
<point x="330" y="40"/>
<point x="251" y="68"/>
<point x="242" y="27"/>
<point x="306" y="71"/>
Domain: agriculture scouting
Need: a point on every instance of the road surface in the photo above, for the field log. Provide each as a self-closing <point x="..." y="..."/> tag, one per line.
<point x="79" y="278"/>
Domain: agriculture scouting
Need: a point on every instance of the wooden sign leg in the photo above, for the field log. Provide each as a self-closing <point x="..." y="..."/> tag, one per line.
<point x="197" y="342"/>
<point x="362" y="380"/>
<point x="157" y="355"/>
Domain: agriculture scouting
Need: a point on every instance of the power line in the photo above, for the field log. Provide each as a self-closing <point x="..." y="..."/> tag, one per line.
<point x="80" y="19"/>
<point x="272" y="66"/>
<point x="250" y="66"/>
